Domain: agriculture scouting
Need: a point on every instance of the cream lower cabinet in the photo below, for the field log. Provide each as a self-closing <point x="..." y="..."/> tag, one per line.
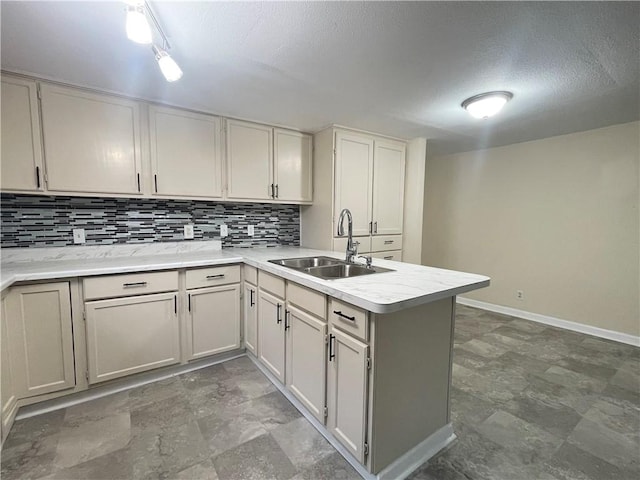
<point x="306" y="361"/>
<point x="347" y="397"/>
<point x="214" y="320"/>
<point x="251" y="317"/>
<point x="38" y="320"/>
<point x="8" y="394"/>
<point x="131" y="335"/>
<point x="271" y="339"/>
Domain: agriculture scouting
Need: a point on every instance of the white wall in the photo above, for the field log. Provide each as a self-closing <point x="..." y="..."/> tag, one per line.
<point x="557" y="218"/>
<point x="414" y="200"/>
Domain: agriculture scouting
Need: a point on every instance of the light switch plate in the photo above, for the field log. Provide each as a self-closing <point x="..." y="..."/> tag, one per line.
<point x="224" y="230"/>
<point x="188" y="232"/>
<point x="250" y="230"/>
<point x="78" y="235"/>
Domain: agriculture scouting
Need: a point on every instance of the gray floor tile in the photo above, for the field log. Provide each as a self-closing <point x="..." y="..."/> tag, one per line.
<point x="573" y="463"/>
<point x="333" y="467"/>
<point x="483" y="349"/>
<point x="556" y="419"/>
<point x="469" y="409"/>
<point x="156" y="391"/>
<point x="200" y="471"/>
<point x="272" y="410"/>
<point x="570" y="379"/>
<point x="468" y="359"/>
<point x="97" y="409"/>
<point x="527" y="326"/>
<point x="114" y="465"/>
<point x="302" y="443"/>
<point x="30" y="459"/>
<point x="258" y="459"/>
<point x="32" y="428"/>
<point x="239" y="365"/>
<point x="170" y="411"/>
<point x="204" y="378"/>
<point x="628" y="376"/>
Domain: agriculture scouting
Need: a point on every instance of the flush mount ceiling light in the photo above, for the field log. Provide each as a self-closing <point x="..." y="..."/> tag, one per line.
<point x="138" y="29"/>
<point x="487" y="104"/>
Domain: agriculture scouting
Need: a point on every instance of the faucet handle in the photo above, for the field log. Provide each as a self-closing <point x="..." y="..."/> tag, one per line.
<point x="367" y="258"/>
<point x="355" y="244"/>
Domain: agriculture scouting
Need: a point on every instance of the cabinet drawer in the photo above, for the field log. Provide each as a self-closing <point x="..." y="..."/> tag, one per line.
<point x="130" y="284"/>
<point x="271" y="283"/>
<point x="395" y="255"/>
<point x="383" y="243"/>
<point x="340" y="244"/>
<point x="307" y="299"/>
<point x="250" y="274"/>
<point x="213" y="276"/>
<point x="349" y="318"/>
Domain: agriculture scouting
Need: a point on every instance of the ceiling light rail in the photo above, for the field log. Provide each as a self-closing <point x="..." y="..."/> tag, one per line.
<point x="139" y="31"/>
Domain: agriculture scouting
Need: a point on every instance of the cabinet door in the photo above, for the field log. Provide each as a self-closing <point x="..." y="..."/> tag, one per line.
<point x="306" y="360"/>
<point x="271" y="339"/>
<point x="91" y="142"/>
<point x="21" y="149"/>
<point x="185" y="153"/>
<point x="292" y="166"/>
<point x="388" y="187"/>
<point x="8" y="393"/>
<point x="214" y="320"/>
<point x="251" y="318"/>
<point x="347" y="391"/>
<point x="39" y="325"/>
<point x="249" y="160"/>
<point x="131" y="335"/>
<point x="354" y="175"/>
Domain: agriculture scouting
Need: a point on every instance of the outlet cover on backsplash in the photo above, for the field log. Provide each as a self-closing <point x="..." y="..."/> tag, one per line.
<point x="46" y="221"/>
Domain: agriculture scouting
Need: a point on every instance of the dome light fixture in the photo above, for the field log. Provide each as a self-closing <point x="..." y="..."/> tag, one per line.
<point x="487" y="104"/>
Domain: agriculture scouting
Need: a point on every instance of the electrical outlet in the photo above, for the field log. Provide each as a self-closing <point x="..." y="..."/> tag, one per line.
<point x="78" y="235"/>
<point x="188" y="232"/>
<point x="519" y="294"/>
<point x="224" y="230"/>
<point x="250" y="230"/>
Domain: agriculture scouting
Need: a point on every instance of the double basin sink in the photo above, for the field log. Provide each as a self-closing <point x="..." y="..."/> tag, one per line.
<point x="328" y="268"/>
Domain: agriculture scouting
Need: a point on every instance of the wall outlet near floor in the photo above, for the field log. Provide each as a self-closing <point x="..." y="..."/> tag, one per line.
<point x="78" y="235"/>
<point x="224" y="230"/>
<point x="188" y="232"/>
<point x="250" y="230"/>
<point x="519" y="294"/>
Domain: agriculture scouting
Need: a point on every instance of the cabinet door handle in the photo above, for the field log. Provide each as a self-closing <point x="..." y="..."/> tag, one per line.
<point x="278" y="318"/>
<point x="273" y="195"/>
<point x="212" y="277"/>
<point x="134" y="284"/>
<point x="287" y="320"/>
<point x="251" y="302"/>
<point x="277" y="191"/>
<point x="375" y="227"/>
<point x="332" y="353"/>
<point x="370" y="227"/>
<point x="175" y="304"/>
<point x="155" y="181"/>
<point x="388" y="242"/>
<point x="139" y="182"/>
<point x="37" y="177"/>
<point x="340" y="314"/>
<point x="189" y="298"/>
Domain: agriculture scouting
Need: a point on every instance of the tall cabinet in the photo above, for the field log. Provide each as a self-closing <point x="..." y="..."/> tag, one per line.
<point x="364" y="173"/>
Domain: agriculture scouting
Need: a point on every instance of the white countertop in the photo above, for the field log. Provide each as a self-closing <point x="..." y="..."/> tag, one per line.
<point x="407" y="286"/>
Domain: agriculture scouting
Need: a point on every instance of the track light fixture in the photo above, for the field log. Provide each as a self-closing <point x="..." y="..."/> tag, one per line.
<point x="139" y="31"/>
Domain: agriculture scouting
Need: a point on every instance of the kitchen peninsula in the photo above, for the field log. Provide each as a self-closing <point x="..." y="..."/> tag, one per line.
<point x="366" y="359"/>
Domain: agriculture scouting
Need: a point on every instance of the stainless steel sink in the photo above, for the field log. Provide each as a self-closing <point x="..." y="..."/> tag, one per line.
<point x="345" y="270"/>
<point x="328" y="268"/>
<point x="306" y="262"/>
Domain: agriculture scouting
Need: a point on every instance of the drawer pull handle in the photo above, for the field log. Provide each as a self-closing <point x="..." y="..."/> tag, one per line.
<point x="388" y="242"/>
<point x="340" y="314"/>
<point x="134" y="284"/>
<point x="278" y="318"/>
<point x="251" y="301"/>
<point x="390" y="257"/>
<point x="287" y="320"/>
<point x="213" y="277"/>
<point x="332" y="353"/>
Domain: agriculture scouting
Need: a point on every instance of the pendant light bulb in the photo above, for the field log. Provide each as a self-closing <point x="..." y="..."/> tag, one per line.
<point x="138" y="29"/>
<point x="168" y="65"/>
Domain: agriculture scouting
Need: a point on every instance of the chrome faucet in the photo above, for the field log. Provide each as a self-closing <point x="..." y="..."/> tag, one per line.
<point x="352" y="247"/>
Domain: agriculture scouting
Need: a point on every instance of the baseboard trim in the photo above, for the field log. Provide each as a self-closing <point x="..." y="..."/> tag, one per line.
<point x="553" y="321"/>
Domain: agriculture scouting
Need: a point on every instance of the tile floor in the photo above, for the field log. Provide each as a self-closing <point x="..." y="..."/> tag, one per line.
<point x="528" y="402"/>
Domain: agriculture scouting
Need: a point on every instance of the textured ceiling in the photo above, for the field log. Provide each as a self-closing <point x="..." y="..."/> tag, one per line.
<point x="400" y="68"/>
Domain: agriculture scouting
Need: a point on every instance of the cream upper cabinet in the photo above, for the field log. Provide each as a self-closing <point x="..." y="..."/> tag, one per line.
<point x="347" y="391"/>
<point x="249" y="161"/>
<point x="251" y="318"/>
<point x="41" y="337"/>
<point x="91" y="142"/>
<point x="21" y="149"/>
<point x="271" y="340"/>
<point x="8" y="392"/>
<point x="388" y="187"/>
<point x="185" y="150"/>
<point x="132" y="334"/>
<point x="292" y="169"/>
<point x="214" y="320"/>
<point x="353" y="179"/>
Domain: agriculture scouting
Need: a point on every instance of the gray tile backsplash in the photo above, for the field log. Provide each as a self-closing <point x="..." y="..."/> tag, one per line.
<point x="46" y="221"/>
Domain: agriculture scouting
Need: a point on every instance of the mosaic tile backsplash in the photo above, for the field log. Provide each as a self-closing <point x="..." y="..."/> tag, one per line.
<point x="39" y="221"/>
